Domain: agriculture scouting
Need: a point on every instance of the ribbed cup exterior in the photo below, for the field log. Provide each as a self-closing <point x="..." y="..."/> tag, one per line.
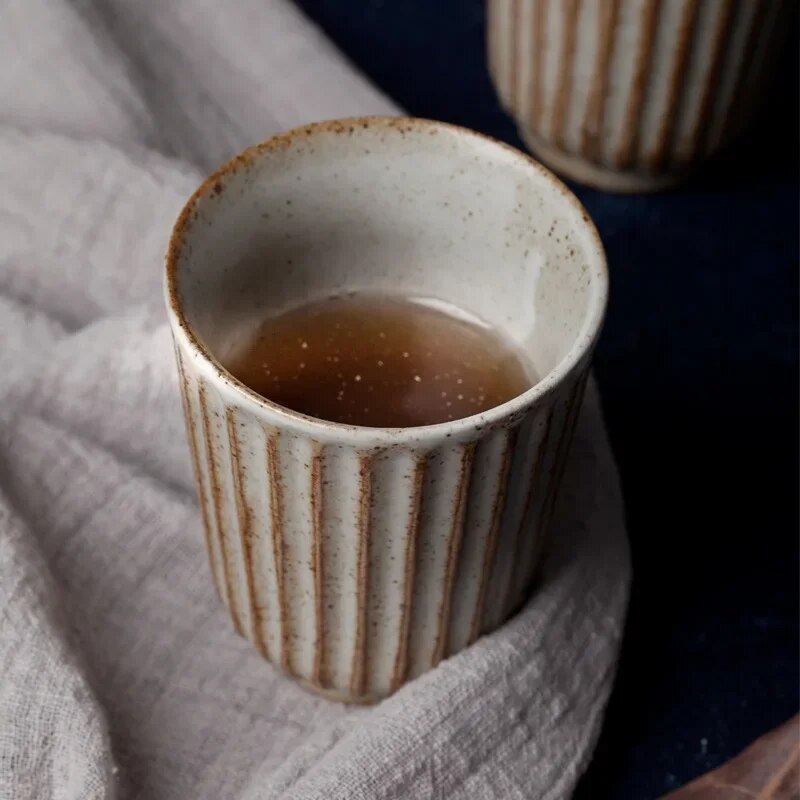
<point x="630" y="94"/>
<point x="354" y="570"/>
<point x="357" y="558"/>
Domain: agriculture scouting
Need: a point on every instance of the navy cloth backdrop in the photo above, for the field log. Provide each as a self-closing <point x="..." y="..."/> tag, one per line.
<point x="698" y="371"/>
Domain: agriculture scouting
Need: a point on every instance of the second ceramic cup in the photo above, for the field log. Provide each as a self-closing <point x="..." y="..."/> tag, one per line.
<point x="357" y="558"/>
<point x="631" y="95"/>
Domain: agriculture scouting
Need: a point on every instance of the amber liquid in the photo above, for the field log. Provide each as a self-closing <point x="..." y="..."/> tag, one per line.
<point x="380" y="361"/>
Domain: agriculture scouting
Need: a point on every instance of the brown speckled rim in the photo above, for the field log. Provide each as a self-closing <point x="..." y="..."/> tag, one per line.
<point x="357" y="434"/>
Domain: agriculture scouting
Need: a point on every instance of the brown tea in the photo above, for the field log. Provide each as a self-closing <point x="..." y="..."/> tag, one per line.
<point x="380" y="361"/>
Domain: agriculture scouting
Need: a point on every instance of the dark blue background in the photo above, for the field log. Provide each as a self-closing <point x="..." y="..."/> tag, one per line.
<point x="698" y="371"/>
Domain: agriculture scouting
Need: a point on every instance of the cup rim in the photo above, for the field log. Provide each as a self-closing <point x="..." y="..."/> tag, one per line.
<point x="361" y="434"/>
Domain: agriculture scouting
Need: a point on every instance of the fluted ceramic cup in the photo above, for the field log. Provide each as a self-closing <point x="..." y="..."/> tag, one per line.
<point x="356" y="558"/>
<point x="630" y="95"/>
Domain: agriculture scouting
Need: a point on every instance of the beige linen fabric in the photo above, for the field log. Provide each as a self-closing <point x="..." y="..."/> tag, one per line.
<point x="119" y="673"/>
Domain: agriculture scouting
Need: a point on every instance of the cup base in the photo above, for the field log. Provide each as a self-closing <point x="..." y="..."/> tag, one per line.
<point x="336" y="694"/>
<point x="577" y="169"/>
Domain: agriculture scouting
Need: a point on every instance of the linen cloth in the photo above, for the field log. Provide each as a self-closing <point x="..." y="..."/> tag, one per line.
<point x="120" y="675"/>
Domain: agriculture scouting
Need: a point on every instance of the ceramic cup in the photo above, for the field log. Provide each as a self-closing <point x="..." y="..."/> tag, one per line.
<point x="357" y="558"/>
<point x="630" y="95"/>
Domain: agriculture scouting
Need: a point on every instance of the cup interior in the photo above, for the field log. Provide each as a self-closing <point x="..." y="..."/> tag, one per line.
<point x="390" y="205"/>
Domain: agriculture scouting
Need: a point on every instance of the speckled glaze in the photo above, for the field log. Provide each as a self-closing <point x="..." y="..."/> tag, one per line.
<point x="629" y="95"/>
<point x="357" y="558"/>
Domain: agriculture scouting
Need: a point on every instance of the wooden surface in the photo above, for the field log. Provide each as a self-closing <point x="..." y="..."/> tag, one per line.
<point x="769" y="769"/>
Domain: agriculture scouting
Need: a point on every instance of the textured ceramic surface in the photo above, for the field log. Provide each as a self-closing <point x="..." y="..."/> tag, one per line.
<point x="629" y="95"/>
<point x="356" y="558"/>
